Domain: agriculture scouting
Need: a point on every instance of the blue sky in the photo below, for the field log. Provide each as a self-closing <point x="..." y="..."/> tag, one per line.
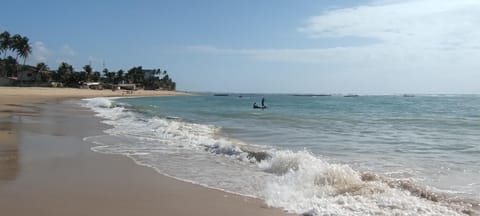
<point x="364" y="47"/>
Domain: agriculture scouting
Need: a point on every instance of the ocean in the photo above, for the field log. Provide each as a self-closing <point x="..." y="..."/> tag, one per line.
<point x="312" y="155"/>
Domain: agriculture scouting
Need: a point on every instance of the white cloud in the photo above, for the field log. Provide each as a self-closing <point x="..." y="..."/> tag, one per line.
<point x="65" y="54"/>
<point x="40" y="53"/>
<point x="421" y="31"/>
<point x="67" y="51"/>
<point x="418" y="46"/>
<point x="95" y="60"/>
<point x="283" y="55"/>
<point x="436" y="24"/>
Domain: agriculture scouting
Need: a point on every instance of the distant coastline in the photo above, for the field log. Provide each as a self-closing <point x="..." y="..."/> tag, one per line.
<point x="311" y="95"/>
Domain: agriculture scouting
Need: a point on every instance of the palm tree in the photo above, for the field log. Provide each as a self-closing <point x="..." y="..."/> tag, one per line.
<point x="16" y="44"/>
<point x="120" y="76"/>
<point x="64" y="71"/>
<point x="24" y="49"/>
<point x="136" y="75"/>
<point x="96" y="76"/>
<point x="42" y="69"/>
<point x="5" y="43"/>
<point x="88" y="70"/>
<point x="10" y="66"/>
<point x="108" y="76"/>
<point x="105" y="72"/>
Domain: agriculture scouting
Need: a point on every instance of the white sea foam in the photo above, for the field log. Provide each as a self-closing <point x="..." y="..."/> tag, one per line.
<point x="188" y="151"/>
<point x="308" y="184"/>
<point x="300" y="182"/>
<point x="99" y="102"/>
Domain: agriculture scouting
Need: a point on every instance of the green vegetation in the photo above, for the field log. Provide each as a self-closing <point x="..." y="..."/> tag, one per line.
<point x="65" y="75"/>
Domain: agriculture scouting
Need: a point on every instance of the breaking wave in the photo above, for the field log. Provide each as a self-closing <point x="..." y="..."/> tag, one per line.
<point x="299" y="182"/>
<point x="306" y="184"/>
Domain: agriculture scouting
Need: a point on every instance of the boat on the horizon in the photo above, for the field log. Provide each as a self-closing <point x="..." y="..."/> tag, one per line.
<point x="408" y="95"/>
<point x="351" y="95"/>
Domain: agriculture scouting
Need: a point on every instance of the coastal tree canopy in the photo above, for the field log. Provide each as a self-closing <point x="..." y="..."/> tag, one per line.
<point x="16" y="45"/>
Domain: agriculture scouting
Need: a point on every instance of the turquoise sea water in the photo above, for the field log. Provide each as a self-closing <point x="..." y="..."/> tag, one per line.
<point x="322" y="155"/>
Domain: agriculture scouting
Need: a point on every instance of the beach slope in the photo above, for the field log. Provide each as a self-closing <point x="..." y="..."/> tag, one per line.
<point x="47" y="169"/>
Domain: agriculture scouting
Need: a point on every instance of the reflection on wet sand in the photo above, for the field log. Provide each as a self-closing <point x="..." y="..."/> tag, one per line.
<point x="9" y="155"/>
<point x="35" y="120"/>
<point x="18" y="109"/>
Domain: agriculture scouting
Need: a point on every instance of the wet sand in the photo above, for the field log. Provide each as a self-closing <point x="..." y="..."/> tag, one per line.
<point x="47" y="169"/>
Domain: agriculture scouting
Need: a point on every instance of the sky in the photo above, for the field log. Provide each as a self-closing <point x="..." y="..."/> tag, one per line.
<point x="270" y="46"/>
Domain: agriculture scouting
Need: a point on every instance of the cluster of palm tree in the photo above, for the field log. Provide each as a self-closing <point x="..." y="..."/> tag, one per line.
<point x="19" y="46"/>
<point x="66" y="75"/>
<point x="152" y="81"/>
<point x="16" y="44"/>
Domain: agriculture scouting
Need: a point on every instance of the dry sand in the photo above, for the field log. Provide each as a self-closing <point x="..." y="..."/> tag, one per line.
<point x="14" y="99"/>
<point x="47" y="169"/>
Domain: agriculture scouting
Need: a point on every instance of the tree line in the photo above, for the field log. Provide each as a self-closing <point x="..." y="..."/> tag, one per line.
<point x="17" y="44"/>
<point x="65" y="74"/>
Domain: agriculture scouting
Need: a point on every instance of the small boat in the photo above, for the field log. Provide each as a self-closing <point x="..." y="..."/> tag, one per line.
<point x="223" y="95"/>
<point x="351" y="95"/>
<point x="259" y="107"/>
<point x="408" y="95"/>
<point x="255" y="106"/>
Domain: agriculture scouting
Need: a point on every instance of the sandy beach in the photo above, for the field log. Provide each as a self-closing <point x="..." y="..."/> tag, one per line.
<point x="47" y="169"/>
<point x="18" y="99"/>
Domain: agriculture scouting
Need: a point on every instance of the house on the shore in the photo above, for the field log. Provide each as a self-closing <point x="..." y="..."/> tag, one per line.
<point x="91" y="85"/>
<point x="5" y="81"/>
<point x="24" y="75"/>
<point x="127" y="86"/>
<point x="27" y="74"/>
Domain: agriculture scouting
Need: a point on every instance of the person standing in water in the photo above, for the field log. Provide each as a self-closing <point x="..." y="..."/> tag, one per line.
<point x="255" y="106"/>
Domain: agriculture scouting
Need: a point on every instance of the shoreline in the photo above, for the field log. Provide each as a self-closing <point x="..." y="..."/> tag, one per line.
<point x="45" y="163"/>
<point x="182" y="180"/>
<point x="21" y="99"/>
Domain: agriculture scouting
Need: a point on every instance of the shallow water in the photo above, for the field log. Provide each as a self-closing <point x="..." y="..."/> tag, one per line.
<point x="322" y="155"/>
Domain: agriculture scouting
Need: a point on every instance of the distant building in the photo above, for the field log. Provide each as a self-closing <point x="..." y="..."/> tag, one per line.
<point x="91" y="85"/>
<point x="27" y="73"/>
<point x="127" y="86"/>
<point x="5" y="81"/>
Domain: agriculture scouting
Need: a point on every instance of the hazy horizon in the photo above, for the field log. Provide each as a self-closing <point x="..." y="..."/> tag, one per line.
<point x="321" y="94"/>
